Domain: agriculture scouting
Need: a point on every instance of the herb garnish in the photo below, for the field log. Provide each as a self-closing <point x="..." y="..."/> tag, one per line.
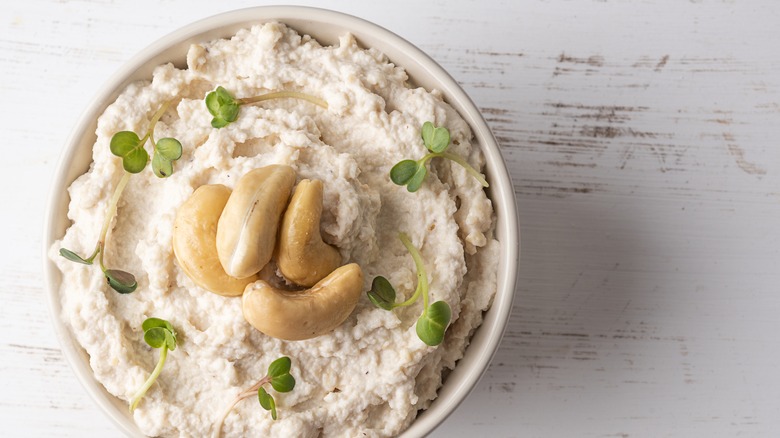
<point x="278" y="376"/>
<point x="128" y="146"/>
<point x="224" y="107"/>
<point x="411" y="173"/>
<point x="158" y="333"/>
<point x="434" y="318"/>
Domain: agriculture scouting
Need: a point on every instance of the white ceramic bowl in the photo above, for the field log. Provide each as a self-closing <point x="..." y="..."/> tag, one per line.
<point x="326" y="26"/>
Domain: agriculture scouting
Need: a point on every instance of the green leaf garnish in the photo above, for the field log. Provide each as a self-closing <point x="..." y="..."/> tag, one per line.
<point x="170" y="340"/>
<point x="169" y="148"/>
<point x="434" y="319"/>
<point x="284" y="383"/>
<point x="417" y="179"/>
<point x="403" y="171"/>
<point x="121" y="281"/>
<point x="155" y="337"/>
<point x="279" y="367"/>
<point x="382" y="293"/>
<point x="130" y="148"/>
<point x="161" y="167"/>
<point x="412" y="173"/>
<point x="127" y="145"/>
<point x="280" y="379"/>
<point x="212" y="101"/>
<point x="224" y="107"/>
<point x="266" y="401"/>
<point x="279" y="372"/>
<point x="219" y="123"/>
<point x="151" y="323"/>
<point x="436" y="139"/>
<point x="72" y="256"/>
<point x="158" y="333"/>
<point x="433" y="322"/>
<point x="123" y="142"/>
<point x="166" y="151"/>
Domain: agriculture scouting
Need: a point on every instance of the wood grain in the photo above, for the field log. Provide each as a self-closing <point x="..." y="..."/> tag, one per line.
<point x="641" y="137"/>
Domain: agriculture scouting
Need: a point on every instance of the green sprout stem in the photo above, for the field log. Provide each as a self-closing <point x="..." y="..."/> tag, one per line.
<point x="281" y="381"/>
<point x="152" y="123"/>
<point x="110" y="213"/>
<point x="422" y="276"/>
<point x="252" y="391"/>
<point x="435" y="318"/>
<point x="150" y="381"/>
<point x="411" y="299"/>
<point x="225" y="108"/>
<point x="130" y="147"/>
<point x="281" y="95"/>
<point x="411" y="173"/>
<point x="458" y="159"/>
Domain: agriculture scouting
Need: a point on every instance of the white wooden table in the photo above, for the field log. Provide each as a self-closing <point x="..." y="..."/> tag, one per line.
<point x="643" y="138"/>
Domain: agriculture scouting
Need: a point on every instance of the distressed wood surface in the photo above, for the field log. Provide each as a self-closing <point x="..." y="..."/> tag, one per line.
<point x="642" y="138"/>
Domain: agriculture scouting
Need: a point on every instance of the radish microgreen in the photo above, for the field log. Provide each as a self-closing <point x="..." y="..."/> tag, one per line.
<point x="434" y="319"/>
<point x="278" y="376"/>
<point x="224" y="107"/>
<point x="411" y="173"/>
<point x="158" y="333"/>
<point x="128" y="146"/>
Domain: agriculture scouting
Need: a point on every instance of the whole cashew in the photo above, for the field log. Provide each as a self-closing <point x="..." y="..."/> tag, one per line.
<point x="246" y="232"/>
<point x="295" y="316"/>
<point x="194" y="241"/>
<point x="303" y="257"/>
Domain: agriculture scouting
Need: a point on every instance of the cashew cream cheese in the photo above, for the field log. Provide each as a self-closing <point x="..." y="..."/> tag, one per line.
<point x="372" y="374"/>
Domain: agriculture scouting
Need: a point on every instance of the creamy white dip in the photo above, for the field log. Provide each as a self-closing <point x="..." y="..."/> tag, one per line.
<point x="372" y="375"/>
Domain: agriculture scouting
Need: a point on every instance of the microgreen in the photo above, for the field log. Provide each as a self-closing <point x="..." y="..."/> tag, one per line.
<point x="434" y="319"/>
<point x="266" y="401"/>
<point x="166" y="151"/>
<point x="411" y="173"/>
<point x="224" y="107"/>
<point x="121" y="281"/>
<point x="72" y="256"/>
<point x="382" y="293"/>
<point x="128" y="146"/>
<point x="278" y="375"/>
<point x="158" y="333"/>
<point x="433" y="322"/>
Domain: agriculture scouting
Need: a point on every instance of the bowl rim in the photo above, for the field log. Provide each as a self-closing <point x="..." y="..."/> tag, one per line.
<point x="486" y="339"/>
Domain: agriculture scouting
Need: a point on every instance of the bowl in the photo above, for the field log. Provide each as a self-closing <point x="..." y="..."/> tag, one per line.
<point x="325" y="26"/>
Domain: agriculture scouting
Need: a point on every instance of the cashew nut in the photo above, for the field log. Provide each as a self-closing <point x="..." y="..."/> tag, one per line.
<point x="295" y="316"/>
<point x="194" y="241"/>
<point x="303" y="257"/>
<point x="246" y="232"/>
